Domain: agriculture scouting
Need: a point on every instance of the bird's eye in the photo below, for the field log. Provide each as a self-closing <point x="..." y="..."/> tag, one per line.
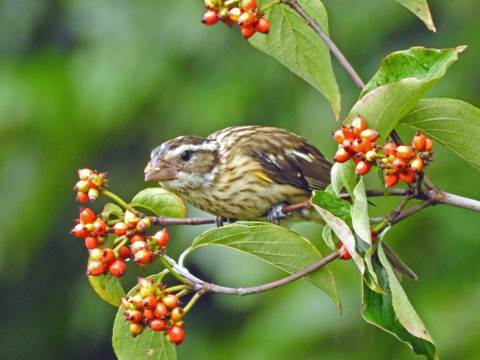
<point x="186" y="155"/>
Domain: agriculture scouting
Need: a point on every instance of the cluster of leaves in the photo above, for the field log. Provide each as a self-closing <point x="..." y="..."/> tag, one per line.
<point x="393" y="96"/>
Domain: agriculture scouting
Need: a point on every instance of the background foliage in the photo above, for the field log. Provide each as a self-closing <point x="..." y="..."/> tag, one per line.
<point x="88" y="83"/>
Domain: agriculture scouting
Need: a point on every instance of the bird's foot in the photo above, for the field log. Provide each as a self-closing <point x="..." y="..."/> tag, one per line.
<point x="220" y="221"/>
<point x="276" y="214"/>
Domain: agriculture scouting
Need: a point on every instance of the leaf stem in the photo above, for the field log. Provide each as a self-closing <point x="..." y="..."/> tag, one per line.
<point x="270" y="5"/>
<point x="176" y="288"/>
<point x="119" y="201"/>
<point x="170" y="269"/>
<point x="192" y="302"/>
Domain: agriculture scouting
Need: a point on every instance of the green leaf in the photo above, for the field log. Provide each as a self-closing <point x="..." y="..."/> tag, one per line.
<point x="453" y="123"/>
<point x="343" y="176"/>
<point x="359" y="211"/>
<point x="338" y="207"/>
<point x="293" y="43"/>
<point x="160" y="202"/>
<point x="421" y="10"/>
<point x="108" y="288"/>
<point x="111" y="210"/>
<point x="328" y="237"/>
<point x="341" y="230"/>
<point x="276" y="245"/>
<point x="392" y="311"/>
<point x="403" y="79"/>
<point x="149" y="345"/>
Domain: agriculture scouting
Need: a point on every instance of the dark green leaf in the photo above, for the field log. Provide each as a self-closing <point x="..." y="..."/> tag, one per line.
<point x="343" y="176"/>
<point x="276" y="245"/>
<point x="338" y="207"/>
<point x="149" y="345"/>
<point x="393" y="312"/>
<point x="453" y="123"/>
<point x="421" y="10"/>
<point x="108" y="288"/>
<point x="294" y="44"/>
<point x="403" y="79"/>
<point x="160" y="202"/>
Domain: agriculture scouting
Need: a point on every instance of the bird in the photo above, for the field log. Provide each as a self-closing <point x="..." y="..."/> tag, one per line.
<point x="245" y="173"/>
<point x="241" y="172"/>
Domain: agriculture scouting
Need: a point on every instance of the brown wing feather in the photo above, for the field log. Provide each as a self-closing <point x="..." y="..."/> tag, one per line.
<point x="285" y="157"/>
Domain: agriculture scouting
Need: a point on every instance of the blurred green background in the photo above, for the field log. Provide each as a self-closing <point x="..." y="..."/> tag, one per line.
<point x="100" y="83"/>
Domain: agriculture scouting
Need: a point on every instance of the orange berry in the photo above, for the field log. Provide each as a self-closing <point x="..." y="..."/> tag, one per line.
<point x="390" y="148"/>
<point x="390" y="180"/>
<point x="176" y="335"/>
<point x="348" y="132"/>
<point x="369" y="134"/>
<point x="339" y="136"/>
<point x="417" y="165"/>
<point x="120" y="228"/>
<point x="177" y="314"/>
<point x="158" y="324"/>
<point x="162" y="237"/>
<point x="362" y="168"/>
<point x="408" y="177"/>
<point x="170" y="301"/>
<point x="405" y="152"/>
<point x="91" y="242"/>
<point x="359" y="124"/>
<point x="342" y="155"/>
<point x="428" y="144"/>
<point x="247" y="31"/>
<point x="419" y="141"/>
<point x="262" y="25"/>
<point x="95" y="268"/>
<point x="160" y="310"/>
<point x="344" y="254"/>
<point x="246" y="19"/>
<point x="399" y="164"/>
<point x="361" y="146"/>
<point x="248" y="4"/>
<point x="136" y="329"/>
<point x="117" y="268"/>
<point x="108" y="256"/>
<point x="210" y="17"/>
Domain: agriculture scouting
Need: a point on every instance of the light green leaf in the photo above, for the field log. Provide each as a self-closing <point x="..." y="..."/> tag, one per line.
<point x="108" y="288"/>
<point x="276" y="245"/>
<point x="328" y="237"/>
<point x="160" y="202"/>
<point x="421" y="10"/>
<point x="403" y="79"/>
<point x="359" y="211"/>
<point x="453" y="123"/>
<point x="111" y="210"/>
<point x="293" y="43"/>
<point x="343" y="176"/>
<point x="149" y="345"/>
<point x="392" y="311"/>
<point x="341" y="230"/>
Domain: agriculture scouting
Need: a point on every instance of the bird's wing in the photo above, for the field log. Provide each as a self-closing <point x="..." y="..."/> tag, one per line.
<point x="288" y="158"/>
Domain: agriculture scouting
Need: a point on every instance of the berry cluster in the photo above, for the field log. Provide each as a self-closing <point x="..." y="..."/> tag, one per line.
<point x="401" y="162"/>
<point x="128" y="238"/>
<point x="89" y="185"/>
<point x="155" y="307"/>
<point x="243" y="13"/>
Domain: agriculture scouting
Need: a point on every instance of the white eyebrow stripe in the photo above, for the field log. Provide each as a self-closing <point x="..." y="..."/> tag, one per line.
<point x="306" y="157"/>
<point x="208" y="146"/>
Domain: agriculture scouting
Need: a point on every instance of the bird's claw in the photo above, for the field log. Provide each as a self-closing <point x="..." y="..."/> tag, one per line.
<point x="220" y="221"/>
<point x="276" y="214"/>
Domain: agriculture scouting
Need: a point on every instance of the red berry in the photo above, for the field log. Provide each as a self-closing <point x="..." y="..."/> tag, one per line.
<point x="125" y="252"/>
<point x="419" y="142"/>
<point x="136" y="329"/>
<point x="95" y="268"/>
<point x="339" y="137"/>
<point x="348" y="132"/>
<point x="177" y="314"/>
<point x="408" y="177"/>
<point x="374" y="236"/>
<point x="137" y="237"/>
<point x="342" y="155"/>
<point x="234" y="14"/>
<point x="399" y="164"/>
<point x="148" y="314"/>
<point x="247" y="31"/>
<point x="143" y="257"/>
<point x="99" y="227"/>
<point x="417" y="165"/>
<point x="369" y="134"/>
<point x="79" y="231"/>
<point x="246" y="19"/>
<point x="117" y="268"/>
<point x="248" y="4"/>
<point x="120" y="228"/>
<point x="390" y="148"/>
<point x="344" y="254"/>
<point x="137" y="301"/>
<point x="137" y="246"/>
<point x="359" y="124"/>
<point x="150" y="302"/>
<point x="160" y="310"/>
<point x="162" y="238"/>
<point x="210" y="17"/>
<point x="176" y="335"/>
<point x="91" y="242"/>
<point x="428" y="145"/>
<point x="82" y="197"/>
<point x="405" y="152"/>
<point x="390" y="180"/>
<point x="158" y="325"/>
<point x="87" y="216"/>
<point x="361" y="146"/>
<point x="362" y="168"/>
<point x="262" y="25"/>
<point x="108" y="256"/>
<point x="133" y="316"/>
<point x="170" y="301"/>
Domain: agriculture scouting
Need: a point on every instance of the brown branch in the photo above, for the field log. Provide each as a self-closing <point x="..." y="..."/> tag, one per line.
<point x="204" y="287"/>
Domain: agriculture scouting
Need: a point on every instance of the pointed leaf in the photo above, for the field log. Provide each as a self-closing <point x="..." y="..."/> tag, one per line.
<point x="160" y="202"/>
<point x="293" y="43"/>
<point x="402" y="80"/>
<point x="276" y="245"/>
<point x="421" y="10"/>
<point x="392" y="312"/>
<point x="453" y="123"/>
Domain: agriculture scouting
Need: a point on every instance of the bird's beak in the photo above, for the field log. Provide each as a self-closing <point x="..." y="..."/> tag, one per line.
<point x="161" y="171"/>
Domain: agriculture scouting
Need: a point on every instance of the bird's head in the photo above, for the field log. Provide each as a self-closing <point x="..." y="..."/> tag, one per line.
<point x="184" y="163"/>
